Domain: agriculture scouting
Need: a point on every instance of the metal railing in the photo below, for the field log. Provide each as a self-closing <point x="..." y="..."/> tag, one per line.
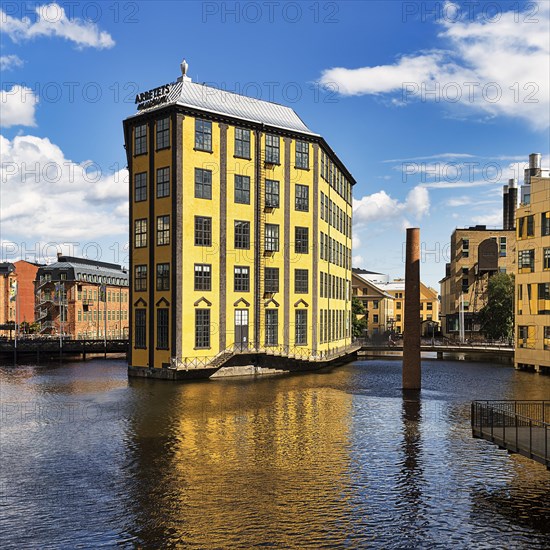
<point x="292" y="352"/>
<point x="41" y="314"/>
<point x="437" y="345"/>
<point x="519" y="426"/>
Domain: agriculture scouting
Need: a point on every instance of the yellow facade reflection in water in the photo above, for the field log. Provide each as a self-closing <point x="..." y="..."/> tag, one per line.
<point x="287" y="453"/>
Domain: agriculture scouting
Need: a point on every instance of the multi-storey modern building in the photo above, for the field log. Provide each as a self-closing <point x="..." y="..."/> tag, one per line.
<point x="476" y="254"/>
<point x="532" y="316"/>
<point x="17" y="293"/>
<point x="379" y="305"/>
<point x="240" y="231"/>
<point x="82" y="298"/>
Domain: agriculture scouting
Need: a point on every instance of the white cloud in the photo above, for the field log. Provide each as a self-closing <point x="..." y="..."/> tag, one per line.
<point x="52" y="20"/>
<point x="418" y="202"/>
<point x="434" y="157"/>
<point x="494" y="67"/>
<point x="8" y="62"/>
<point x="17" y="107"/>
<point x="382" y="207"/>
<point x="49" y="198"/>
<point x="453" y="202"/>
<point x="458" y="184"/>
<point x="490" y="219"/>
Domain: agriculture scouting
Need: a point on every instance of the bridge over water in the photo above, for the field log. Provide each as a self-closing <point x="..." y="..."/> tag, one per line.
<point x="441" y="348"/>
<point x="52" y="347"/>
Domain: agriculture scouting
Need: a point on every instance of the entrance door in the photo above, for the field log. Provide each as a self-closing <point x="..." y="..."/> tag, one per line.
<point x="241" y="328"/>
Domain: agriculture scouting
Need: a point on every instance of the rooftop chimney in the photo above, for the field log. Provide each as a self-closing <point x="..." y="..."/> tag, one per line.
<point x="535" y="161"/>
<point x="505" y="207"/>
<point x="534" y="169"/>
<point x="512" y="203"/>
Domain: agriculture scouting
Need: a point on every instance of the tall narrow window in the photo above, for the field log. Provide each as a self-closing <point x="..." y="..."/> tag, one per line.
<point x="163" y="133"/>
<point x="202" y="328"/>
<point x="545" y="224"/>
<point x="242" y="143"/>
<point x="502" y="246"/>
<point x="203" y="183"/>
<point x="163" y="230"/>
<point x="546" y="258"/>
<point x="203" y="135"/>
<point x="271" y="327"/>
<point x="242" y="279"/>
<point x="271" y="279"/>
<point x="531" y="226"/>
<point x="465" y="248"/>
<point x="272" y="193"/>
<point x="203" y="277"/>
<point x="272" y="149"/>
<point x="302" y="154"/>
<point x="242" y="189"/>
<point x="302" y="198"/>
<point x="521" y="228"/>
<point x="203" y="231"/>
<point x="271" y="237"/>
<point x="301" y="240"/>
<point x="162" y="328"/>
<point x="301" y="281"/>
<point x="140" y="278"/>
<point x="242" y="234"/>
<point x="300" y="328"/>
<point x="140" y="328"/>
<point x="163" y="276"/>
<point x="140" y="233"/>
<point x="163" y="182"/>
<point x="140" y="139"/>
<point x="140" y="187"/>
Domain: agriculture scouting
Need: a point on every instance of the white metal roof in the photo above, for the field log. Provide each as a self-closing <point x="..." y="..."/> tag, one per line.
<point x="214" y="100"/>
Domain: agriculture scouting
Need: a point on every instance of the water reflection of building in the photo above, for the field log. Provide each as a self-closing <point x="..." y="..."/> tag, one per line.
<point x="233" y="463"/>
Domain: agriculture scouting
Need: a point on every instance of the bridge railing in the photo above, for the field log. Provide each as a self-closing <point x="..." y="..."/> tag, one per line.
<point x="519" y="426"/>
<point x="437" y="345"/>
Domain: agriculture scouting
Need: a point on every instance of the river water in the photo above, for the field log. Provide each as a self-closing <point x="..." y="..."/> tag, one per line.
<point x="334" y="459"/>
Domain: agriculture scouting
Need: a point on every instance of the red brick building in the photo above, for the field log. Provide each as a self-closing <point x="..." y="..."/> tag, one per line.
<point x="82" y="298"/>
<point x="17" y="292"/>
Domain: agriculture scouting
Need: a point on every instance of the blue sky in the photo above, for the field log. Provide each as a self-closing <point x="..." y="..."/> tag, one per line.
<point x="431" y="105"/>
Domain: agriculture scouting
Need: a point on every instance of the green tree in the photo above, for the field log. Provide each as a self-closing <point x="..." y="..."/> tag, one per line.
<point x="358" y="318"/>
<point x="497" y="316"/>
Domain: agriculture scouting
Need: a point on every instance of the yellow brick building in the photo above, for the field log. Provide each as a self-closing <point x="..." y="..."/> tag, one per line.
<point x="379" y="305"/>
<point x="429" y="306"/>
<point x="532" y="282"/>
<point x="240" y="232"/>
<point x="476" y="254"/>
